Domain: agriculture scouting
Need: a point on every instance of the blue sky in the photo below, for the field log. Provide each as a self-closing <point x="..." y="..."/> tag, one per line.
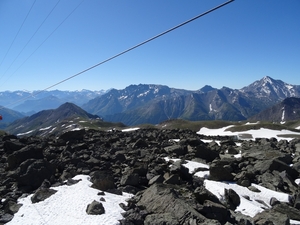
<point x="233" y="46"/>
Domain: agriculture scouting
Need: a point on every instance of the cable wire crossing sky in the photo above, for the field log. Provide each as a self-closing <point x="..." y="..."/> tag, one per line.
<point x="45" y="43"/>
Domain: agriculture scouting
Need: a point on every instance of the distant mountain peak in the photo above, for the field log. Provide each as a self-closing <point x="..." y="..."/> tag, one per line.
<point x="268" y="80"/>
<point x="207" y="88"/>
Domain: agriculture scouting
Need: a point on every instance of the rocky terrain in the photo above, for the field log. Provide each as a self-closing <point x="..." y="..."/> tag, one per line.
<point x="164" y="191"/>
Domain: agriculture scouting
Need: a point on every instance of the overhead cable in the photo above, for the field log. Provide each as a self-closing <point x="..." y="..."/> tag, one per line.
<point x="43" y="41"/>
<point x="128" y="50"/>
<point x="32" y="37"/>
<point x="17" y="33"/>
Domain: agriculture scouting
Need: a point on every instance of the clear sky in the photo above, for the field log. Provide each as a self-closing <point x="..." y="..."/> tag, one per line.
<point x="233" y="46"/>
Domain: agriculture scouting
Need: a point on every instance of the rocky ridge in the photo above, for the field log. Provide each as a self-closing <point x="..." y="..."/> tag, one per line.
<point x="134" y="162"/>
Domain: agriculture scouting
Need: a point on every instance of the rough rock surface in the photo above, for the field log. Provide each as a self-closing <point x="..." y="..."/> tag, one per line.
<point x="165" y="192"/>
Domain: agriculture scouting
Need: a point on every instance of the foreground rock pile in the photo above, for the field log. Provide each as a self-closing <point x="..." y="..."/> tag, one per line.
<point x="165" y="191"/>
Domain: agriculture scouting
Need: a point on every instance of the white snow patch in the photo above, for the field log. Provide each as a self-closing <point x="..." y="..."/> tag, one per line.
<point x="192" y="166"/>
<point x="123" y="97"/>
<point x="208" y="141"/>
<point x="68" y="206"/>
<point x="71" y="125"/>
<point x="248" y="207"/>
<point x="248" y="123"/>
<point x="142" y="94"/>
<point x="261" y="133"/>
<point x="28" y="132"/>
<point x="52" y="130"/>
<point x="210" y="108"/>
<point x="130" y="129"/>
<point x="46" y="128"/>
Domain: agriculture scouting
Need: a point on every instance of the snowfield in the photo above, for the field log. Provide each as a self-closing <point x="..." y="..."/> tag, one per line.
<point x="68" y="206"/>
<point x="261" y="133"/>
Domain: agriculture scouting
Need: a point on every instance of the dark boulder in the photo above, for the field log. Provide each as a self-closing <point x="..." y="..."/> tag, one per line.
<point x="5" y="218"/>
<point x="215" y="211"/>
<point x="271" y="217"/>
<point x="161" y="198"/>
<point x="288" y="210"/>
<point x="28" y="152"/>
<point x="221" y="170"/>
<point x="95" y="208"/>
<point x="177" y="150"/>
<point x="232" y="199"/>
<point x="41" y="194"/>
<point x="11" y="206"/>
<point x="203" y="152"/>
<point x="75" y="135"/>
<point x="275" y="164"/>
<point x="13" y="145"/>
<point x="102" y="180"/>
<point x="33" y="172"/>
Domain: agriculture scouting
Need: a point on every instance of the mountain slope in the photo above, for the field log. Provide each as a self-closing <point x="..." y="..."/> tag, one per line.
<point x="8" y="116"/>
<point x="288" y="109"/>
<point x="46" y="119"/>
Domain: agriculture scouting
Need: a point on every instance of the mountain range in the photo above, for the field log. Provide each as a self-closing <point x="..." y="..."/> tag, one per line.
<point x="145" y="103"/>
<point x="30" y="102"/>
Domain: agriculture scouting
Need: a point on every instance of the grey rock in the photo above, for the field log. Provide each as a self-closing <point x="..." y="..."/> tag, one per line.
<point x="95" y="208"/>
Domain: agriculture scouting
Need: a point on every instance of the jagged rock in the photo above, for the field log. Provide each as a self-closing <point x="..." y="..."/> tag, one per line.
<point x="102" y="180"/>
<point x="178" y="168"/>
<point x="42" y="194"/>
<point x="130" y="178"/>
<point x="231" y="150"/>
<point x="160" y="198"/>
<point x="134" y="216"/>
<point x="244" y="178"/>
<point x="33" y="172"/>
<point x="11" y="207"/>
<point x="297" y="201"/>
<point x="296" y="166"/>
<point x="6" y="218"/>
<point x="202" y="194"/>
<point x="221" y="170"/>
<point x="203" y="152"/>
<point x="173" y="179"/>
<point x="71" y="181"/>
<point x="274" y="201"/>
<point x="288" y="210"/>
<point x="271" y="217"/>
<point x="232" y="199"/>
<point x="176" y="150"/>
<point x="12" y="145"/>
<point x="156" y="179"/>
<point x="140" y="143"/>
<point x="28" y="152"/>
<point x="215" y="211"/>
<point x="95" y="208"/>
<point x="277" y="165"/>
<point x="73" y="135"/>
<point x="160" y="219"/>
